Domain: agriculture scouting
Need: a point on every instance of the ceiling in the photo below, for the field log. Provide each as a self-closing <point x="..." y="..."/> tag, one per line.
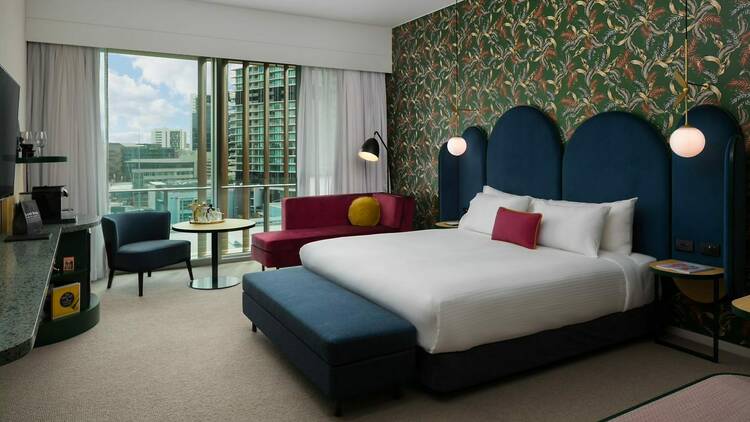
<point x="388" y="13"/>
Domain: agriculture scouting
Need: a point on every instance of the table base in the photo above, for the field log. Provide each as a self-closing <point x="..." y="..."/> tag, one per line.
<point x="208" y="283"/>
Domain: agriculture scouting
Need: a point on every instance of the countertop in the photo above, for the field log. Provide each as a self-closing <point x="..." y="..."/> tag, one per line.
<point x="25" y="270"/>
<point x="82" y="222"/>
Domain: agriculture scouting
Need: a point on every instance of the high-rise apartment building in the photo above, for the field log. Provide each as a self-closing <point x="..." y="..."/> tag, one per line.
<point x="209" y="123"/>
<point x="257" y="125"/>
<point x="170" y="138"/>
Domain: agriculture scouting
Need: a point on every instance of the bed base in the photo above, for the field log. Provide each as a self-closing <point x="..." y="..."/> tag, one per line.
<point x="446" y="372"/>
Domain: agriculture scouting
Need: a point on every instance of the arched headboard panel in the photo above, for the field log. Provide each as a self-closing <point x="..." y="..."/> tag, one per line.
<point x="617" y="155"/>
<point x="460" y="178"/>
<point x="524" y="154"/>
<point x="708" y="197"/>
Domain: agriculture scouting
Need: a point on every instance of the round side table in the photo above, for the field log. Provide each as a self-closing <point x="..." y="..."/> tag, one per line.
<point x="228" y="225"/>
<point x="713" y="275"/>
<point x="741" y="307"/>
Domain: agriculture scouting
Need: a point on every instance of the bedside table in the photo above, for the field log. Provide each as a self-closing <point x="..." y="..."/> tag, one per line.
<point x="715" y="276"/>
<point x="741" y="307"/>
<point x="447" y="224"/>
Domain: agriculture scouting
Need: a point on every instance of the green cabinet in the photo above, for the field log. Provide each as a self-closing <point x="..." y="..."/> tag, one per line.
<point x="75" y="243"/>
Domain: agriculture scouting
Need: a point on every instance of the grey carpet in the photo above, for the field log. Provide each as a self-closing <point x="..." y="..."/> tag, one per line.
<point x="179" y="354"/>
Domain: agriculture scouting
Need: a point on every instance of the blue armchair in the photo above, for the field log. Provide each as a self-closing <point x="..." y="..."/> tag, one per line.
<point x="138" y="242"/>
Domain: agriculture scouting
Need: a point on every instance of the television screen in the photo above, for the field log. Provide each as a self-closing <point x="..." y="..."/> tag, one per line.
<point x="9" y="92"/>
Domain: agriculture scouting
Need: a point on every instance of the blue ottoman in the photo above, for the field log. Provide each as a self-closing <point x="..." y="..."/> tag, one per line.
<point x="346" y="345"/>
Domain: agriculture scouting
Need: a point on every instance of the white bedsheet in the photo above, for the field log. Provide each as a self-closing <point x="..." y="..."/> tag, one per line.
<point x="461" y="289"/>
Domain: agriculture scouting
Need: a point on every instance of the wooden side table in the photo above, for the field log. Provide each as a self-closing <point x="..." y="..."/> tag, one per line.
<point x="447" y="224"/>
<point x="230" y="224"/>
<point x="741" y="307"/>
<point x="714" y="275"/>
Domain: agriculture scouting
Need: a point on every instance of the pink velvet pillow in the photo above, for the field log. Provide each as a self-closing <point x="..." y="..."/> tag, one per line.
<point x="521" y="228"/>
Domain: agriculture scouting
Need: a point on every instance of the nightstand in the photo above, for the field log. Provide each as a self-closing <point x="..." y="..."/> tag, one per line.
<point x="715" y="276"/>
<point x="741" y="307"/>
<point x="447" y="224"/>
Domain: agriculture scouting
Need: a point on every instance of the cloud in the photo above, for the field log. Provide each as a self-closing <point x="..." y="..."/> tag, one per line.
<point x="135" y="108"/>
<point x="180" y="76"/>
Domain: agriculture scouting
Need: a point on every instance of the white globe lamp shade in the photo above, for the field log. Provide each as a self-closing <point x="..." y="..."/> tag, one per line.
<point x="457" y="145"/>
<point x="687" y="141"/>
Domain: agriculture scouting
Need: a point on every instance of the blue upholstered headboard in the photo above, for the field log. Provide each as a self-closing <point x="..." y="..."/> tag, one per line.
<point x="613" y="156"/>
<point x="524" y="154"/>
<point x="708" y="203"/>
<point x="617" y="155"/>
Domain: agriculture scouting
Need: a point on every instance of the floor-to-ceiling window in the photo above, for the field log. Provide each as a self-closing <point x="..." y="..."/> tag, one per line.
<point x="257" y="155"/>
<point x="170" y="118"/>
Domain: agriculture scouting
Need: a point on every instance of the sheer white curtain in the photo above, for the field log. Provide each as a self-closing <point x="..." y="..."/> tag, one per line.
<point x="338" y="111"/>
<point x="63" y="99"/>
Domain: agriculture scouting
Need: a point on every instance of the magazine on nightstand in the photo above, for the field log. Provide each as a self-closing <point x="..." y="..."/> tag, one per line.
<point x="683" y="267"/>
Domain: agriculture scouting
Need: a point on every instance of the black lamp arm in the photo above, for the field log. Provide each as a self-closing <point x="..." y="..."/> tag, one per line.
<point x="382" y="142"/>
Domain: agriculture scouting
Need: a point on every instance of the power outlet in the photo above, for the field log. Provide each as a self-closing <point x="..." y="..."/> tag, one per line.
<point x="711" y="249"/>
<point x="683" y="245"/>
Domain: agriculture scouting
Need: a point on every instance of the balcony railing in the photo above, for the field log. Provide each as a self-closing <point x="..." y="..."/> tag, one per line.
<point x="263" y="206"/>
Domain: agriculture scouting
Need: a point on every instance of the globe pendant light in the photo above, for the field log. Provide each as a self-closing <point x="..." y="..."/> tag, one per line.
<point x="457" y="144"/>
<point x="686" y="141"/>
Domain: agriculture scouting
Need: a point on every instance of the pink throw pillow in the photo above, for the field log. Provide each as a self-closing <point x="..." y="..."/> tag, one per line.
<point x="521" y="228"/>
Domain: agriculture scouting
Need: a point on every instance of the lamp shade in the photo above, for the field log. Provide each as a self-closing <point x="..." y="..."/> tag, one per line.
<point x="456" y="145"/>
<point x="370" y="150"/>
<point x="687" y="141"/>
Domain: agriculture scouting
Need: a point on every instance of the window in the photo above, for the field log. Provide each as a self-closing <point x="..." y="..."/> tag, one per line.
<point x="166" y="128"/>
<point x="256" y="145"/>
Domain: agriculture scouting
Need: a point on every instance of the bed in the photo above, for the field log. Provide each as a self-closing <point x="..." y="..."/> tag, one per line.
<point x="485" y="309"/>
<point x="461" y="289"/>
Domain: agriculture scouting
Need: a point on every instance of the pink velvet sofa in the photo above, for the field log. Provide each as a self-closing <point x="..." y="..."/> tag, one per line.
<point x="312" y="218"/>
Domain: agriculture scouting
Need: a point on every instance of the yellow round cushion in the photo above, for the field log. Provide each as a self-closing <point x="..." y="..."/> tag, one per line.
<point x="364" y="211"/>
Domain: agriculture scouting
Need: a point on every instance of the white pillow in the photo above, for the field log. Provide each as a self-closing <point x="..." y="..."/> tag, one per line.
<point x="618" y="226"/>
<point x="489" y="190"/>
<point x="483" y="209"/>
<point x="572" y="228"/>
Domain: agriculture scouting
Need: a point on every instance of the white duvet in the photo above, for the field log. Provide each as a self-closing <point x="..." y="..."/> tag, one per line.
<point x="461" y="289"/>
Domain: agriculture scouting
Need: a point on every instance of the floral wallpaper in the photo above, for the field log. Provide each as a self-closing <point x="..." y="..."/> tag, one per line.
<point x="571" y="58"/>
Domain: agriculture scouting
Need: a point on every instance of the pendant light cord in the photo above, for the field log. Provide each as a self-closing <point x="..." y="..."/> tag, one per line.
<point x="458" y="69"/>
<point x="687" y="85"/>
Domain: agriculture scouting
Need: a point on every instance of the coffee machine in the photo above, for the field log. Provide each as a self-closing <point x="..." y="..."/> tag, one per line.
<point x="49" y="201"/>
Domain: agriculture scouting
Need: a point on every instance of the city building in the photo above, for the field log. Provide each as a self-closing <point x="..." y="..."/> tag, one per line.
<point x="170" y="138"/>
<point x="120" y="154"/>
<point x="133" y="168"/>
<point x="170" y="171"/>
<point x="256" y="116"/>
<point x="209" y="123"/>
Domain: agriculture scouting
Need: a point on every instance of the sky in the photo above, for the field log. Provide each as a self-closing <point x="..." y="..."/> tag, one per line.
<point x="147" y="93"/>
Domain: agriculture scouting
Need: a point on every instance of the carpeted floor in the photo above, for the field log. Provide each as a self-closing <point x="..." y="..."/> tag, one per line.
<point x="179" y="354"/>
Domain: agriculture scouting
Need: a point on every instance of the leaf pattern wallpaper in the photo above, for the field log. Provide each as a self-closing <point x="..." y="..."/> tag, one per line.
<point x="571" y="58"/>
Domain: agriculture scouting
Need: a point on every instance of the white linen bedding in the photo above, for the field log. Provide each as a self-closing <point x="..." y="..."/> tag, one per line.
<point x="461" y="289"/>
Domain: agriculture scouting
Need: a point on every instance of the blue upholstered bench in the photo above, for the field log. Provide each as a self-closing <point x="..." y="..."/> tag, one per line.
<point x="346" y="345"/>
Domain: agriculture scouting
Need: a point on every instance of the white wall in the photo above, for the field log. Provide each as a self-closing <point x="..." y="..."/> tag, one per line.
<point x="201" y="29"/>
<point x="13" y="46"/>
<point x="13" y="57"/>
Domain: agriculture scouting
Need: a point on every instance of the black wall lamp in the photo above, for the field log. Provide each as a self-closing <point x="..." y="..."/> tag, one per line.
<point x="370" y="151"/>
